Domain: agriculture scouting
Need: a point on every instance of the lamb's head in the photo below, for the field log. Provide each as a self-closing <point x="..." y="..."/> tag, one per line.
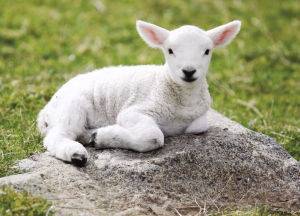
<point x="188" y="49"/>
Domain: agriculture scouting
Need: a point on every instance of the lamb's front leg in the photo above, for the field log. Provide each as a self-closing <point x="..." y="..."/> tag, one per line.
<point x="199" y="125"/>
<point x="133" y="131"/>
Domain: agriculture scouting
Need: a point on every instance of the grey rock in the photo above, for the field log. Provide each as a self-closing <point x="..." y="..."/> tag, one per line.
<point x="228" y="165"/>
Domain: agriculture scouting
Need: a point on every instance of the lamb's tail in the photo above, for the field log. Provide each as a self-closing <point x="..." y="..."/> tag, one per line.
<point x="42" y="123"/>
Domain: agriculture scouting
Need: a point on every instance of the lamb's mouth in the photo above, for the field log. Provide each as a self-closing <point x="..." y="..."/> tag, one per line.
<point x="189" y="79"/>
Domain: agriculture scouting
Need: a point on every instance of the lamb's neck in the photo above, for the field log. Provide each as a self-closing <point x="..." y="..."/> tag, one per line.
<point x="187" y="94"/>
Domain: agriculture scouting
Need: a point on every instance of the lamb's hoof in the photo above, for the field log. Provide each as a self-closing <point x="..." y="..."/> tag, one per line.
<point x="92" y="140"/>
<point x="79" y="160"/>
<point x="203" y="132"/>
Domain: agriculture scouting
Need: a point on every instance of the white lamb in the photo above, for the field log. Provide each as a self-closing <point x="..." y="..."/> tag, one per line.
<point x="134" y="107"/>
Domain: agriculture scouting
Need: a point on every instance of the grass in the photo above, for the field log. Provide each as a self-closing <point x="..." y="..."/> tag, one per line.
<point x="14" y="203"/>
<point x="255" y="80"/>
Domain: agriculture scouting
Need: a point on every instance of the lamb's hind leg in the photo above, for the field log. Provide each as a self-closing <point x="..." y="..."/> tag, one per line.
<point x="61" y="144"/>
<point x="133" y="131"/>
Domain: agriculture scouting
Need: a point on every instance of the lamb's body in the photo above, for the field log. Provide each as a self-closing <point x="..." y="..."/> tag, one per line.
<point x="148" y="90"/>
<point x="131" y="107"/>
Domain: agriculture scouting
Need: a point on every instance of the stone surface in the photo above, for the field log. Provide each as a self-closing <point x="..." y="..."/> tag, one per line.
<point x="228" y="165"/>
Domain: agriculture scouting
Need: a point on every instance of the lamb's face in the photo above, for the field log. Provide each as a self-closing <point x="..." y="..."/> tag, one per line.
<point x="188" y="52"/>
<point x="188" y="49"/>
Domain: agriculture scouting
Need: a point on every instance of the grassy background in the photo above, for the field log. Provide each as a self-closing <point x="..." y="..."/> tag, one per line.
<point x="255" y="80"/>
<point x="13" y="203"/>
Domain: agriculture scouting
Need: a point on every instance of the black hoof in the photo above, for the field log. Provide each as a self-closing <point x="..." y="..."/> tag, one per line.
<point x="200" y="133"/>
<point x="78" y="160"/>
<point x="92" y="140"/>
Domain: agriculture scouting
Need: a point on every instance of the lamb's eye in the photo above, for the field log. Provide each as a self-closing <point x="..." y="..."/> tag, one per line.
<point x="170" y="51"/>
<point x="207" y="52"/>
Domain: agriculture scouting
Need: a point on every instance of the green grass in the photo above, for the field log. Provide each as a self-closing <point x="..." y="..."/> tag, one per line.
<point x="14" y="203"/>
<point x="255" y="80"/>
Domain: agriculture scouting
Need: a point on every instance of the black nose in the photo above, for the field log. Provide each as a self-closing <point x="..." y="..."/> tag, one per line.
<point x="189" y="71"/>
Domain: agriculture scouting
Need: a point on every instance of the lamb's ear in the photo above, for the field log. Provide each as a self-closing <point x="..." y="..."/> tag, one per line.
<point x="223" y="35"/>
<point x="153" y="35"/>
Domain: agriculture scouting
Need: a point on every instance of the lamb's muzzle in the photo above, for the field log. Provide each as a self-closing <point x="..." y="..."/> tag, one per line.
<point x="189" y="72"/>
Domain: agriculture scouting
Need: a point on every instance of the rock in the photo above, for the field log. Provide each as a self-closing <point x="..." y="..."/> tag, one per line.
<point x="228" y="165"/>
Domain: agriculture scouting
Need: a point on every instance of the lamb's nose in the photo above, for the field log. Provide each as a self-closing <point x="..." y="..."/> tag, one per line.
<point x="189" y="71"/>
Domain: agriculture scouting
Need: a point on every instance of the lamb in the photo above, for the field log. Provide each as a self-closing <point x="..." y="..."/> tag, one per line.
<point x="135" y="107"/>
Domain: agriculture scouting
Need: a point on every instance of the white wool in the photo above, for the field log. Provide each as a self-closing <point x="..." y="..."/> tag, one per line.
<point x="134" y="107"/>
